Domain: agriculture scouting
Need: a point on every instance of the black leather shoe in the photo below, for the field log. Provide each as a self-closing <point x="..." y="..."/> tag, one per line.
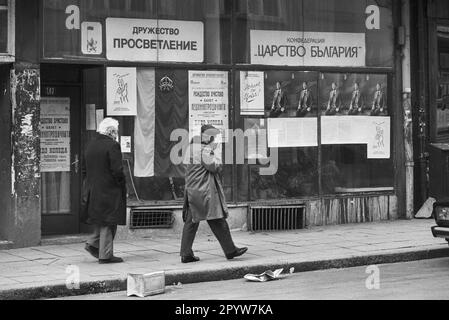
<point x="238" y="252"/>
<point x="188" y="259"/>
<point x="111" y="260"/>
<point x="92" y="250"/>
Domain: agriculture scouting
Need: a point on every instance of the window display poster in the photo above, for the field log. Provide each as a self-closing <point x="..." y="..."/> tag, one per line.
<point x="291" y="94"/>
<point x="252" y="93"/>
<point x="208" y="101"/>
<point x="256" y="138"/>
<point x="121" y="91"/>
<point x="55" y="134"/>
<point x="379" y="138"/>
<point x="353" y="94"/>
<point x="292" y="132"/>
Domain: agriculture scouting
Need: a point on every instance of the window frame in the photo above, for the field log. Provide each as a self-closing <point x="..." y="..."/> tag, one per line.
<point x="9" y="55"/>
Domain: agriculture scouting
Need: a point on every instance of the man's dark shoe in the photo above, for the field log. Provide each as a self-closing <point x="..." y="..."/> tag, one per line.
<point x="238" y="252"/>
<point x="111" y="260"/>
<point x="92" y="250"/>
<point x="188" y="259"/>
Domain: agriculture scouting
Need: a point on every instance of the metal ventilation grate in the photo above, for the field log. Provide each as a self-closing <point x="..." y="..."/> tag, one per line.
<point x="146" y="218"/>
<point x="276" y="218"/>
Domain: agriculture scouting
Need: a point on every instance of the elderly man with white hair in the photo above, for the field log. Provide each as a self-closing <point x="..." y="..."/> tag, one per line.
<point x="104" y="191"/>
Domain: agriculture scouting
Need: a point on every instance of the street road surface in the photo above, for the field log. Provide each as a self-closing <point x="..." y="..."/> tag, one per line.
<point x="426" y="279"/>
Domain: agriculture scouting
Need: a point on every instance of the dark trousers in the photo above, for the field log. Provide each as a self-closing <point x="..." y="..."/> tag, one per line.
<point x="102" y="239"/>
<point x="219" y="227"/>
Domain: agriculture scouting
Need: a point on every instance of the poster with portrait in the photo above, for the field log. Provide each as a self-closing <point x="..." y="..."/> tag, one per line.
<point x="208" y="101"/>
<point x="291" y="94"/>
<point x="121" y="91"/>
<point x="252" y="93"/>
<point x="353" y="94"/>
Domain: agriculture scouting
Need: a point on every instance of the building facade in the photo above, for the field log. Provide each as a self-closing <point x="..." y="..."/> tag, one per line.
<point x="320" y="90"/>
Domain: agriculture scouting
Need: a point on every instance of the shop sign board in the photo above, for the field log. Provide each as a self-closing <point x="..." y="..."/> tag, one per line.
<point x="121" y="91"/>
<point x="208" y="101"/>
<point x="152" y="40"/>
<point x="294" y="48"/>
<point x="55" y="134"/>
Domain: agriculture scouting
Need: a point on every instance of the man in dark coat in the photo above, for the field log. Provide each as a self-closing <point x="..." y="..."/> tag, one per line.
<point x="204" y="197"/>
<point x="104" y="191"/>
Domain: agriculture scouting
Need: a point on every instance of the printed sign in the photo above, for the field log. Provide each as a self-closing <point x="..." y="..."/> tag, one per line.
<point x="121" y="92"/>
<point x="125" y="144"/>
<point x="292" y="48"/>
<point x="251" y="93"/>
<point x="91" y="38"/>
<point x="55" y="134"/>
<point x="154" y="40"/>
<point x="379" y="138"/>
<point x="208" y="101"/>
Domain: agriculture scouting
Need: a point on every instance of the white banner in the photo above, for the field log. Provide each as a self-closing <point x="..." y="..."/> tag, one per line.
<point x="252" y="93"/>
<point x="208" y="101"/>
<point x="293" y="48"/>
<point x="121" y="91"/>
<point x="154" y="40"/>
<point x="292" y="132"/>
<point x="55" y="134"/>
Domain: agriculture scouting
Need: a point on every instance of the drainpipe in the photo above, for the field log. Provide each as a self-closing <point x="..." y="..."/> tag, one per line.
<point x="407" y="106"/>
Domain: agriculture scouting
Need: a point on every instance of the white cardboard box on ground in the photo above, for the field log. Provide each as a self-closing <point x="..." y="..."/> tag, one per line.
<point x="143" y="285"/>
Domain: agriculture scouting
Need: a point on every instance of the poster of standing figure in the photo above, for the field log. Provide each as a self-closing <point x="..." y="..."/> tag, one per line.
<point x="291" y="94"/>
<point x="353" y="94"/>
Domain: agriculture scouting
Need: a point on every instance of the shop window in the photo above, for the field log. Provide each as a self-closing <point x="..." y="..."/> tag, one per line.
<point x="66" y="25"/>
<point x="4" y="26"/>
<point x="442" y="100"/>
<point x="162" y="108"/>
<point x="351" y="112"/>
<point x="312" y="19"/>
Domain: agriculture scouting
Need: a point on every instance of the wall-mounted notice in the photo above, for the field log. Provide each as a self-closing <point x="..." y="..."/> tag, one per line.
<point x="154" y="40"/>
<point x="99" y="116"/>
<point x="208" y="101"/>
<point x="125" y="144"/>
<point x="292" y="132"/>
<point x="295" y="48"/>
<point x="55" y="134"/>
<point x="252" y="93"/>
<point x="91" y="38"/>
<point x="121" y="91"/>
<point x="90" y="117"/>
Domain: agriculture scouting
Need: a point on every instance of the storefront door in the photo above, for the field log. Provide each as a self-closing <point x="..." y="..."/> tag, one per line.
<point x="60" y="159"/>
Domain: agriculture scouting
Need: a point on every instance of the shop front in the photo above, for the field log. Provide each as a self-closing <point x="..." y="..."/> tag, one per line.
<point x="311" y="85"/>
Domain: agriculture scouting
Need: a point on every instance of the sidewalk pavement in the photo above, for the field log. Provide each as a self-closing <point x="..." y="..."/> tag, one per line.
<point x="42" y="272"/>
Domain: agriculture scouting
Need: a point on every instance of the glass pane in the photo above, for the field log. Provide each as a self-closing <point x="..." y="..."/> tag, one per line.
<point x="442" y="114"/>
<point x="311" y="19"/>
<point x="3" y="2"/>
<point x="55" y="155"/>
<point x="61" y="40"/>
<point x="3" y="31"/>
<point x="151" y="173"/>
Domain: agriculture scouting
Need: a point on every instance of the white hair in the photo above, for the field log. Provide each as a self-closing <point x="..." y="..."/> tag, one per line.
<point x="107" y="126"/>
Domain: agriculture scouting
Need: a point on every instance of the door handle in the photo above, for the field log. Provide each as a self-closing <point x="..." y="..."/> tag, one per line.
<point x="76" y="163"/>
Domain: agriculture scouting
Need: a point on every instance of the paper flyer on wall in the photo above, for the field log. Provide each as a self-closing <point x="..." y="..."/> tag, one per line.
<point x="55" y="134"/>
<point x="90" y="117"/>
<point x="121" y="91"/>
<point x="292" y="132"/>
<point x="252" y="93"/>
<point x="379" y="138"/>
<point x="208" y="101"/>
